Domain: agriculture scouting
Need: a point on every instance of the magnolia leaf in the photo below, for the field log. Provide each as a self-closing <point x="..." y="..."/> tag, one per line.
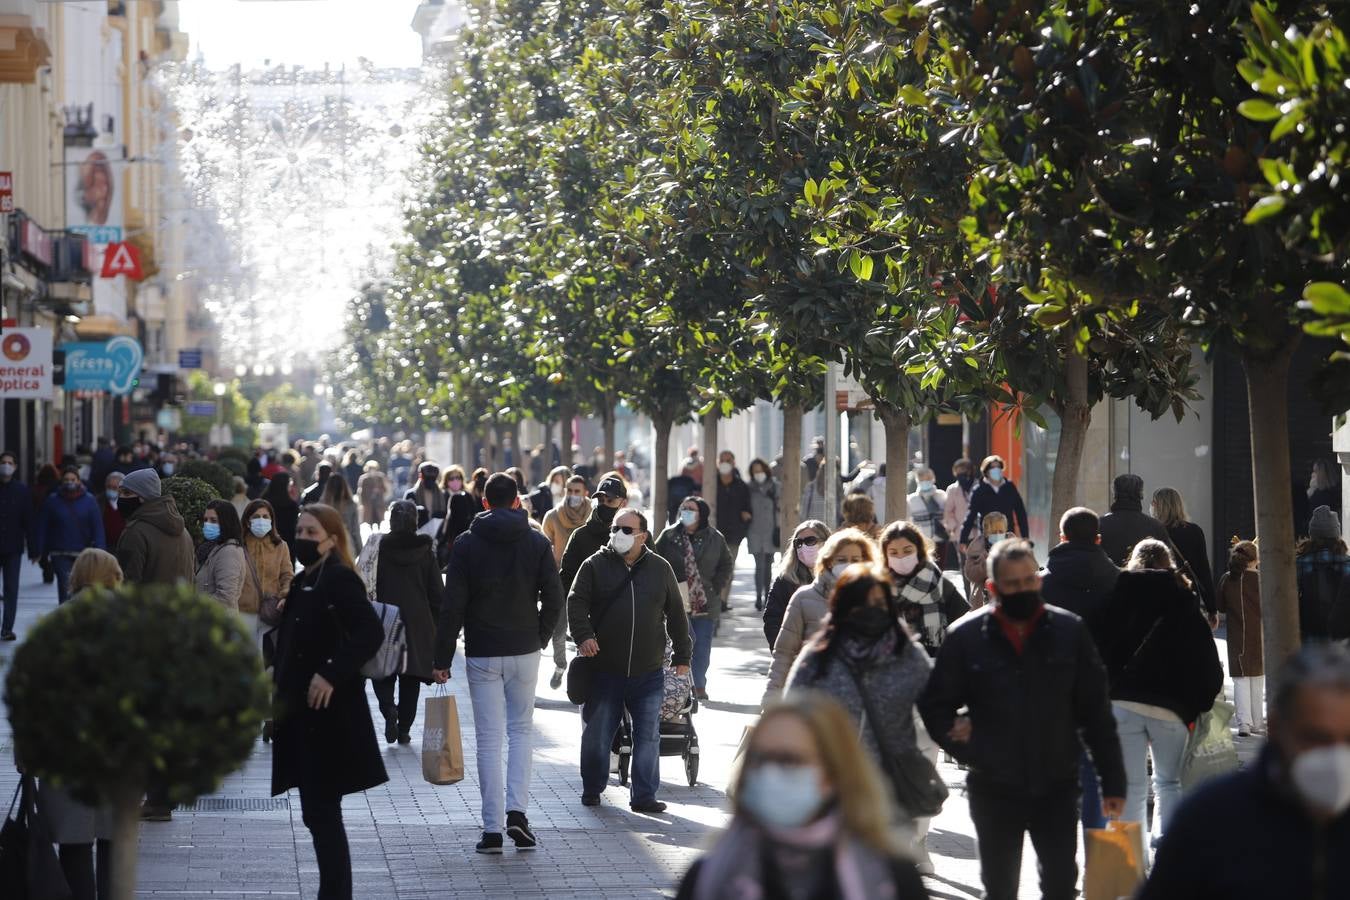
<point x="1327" y="298"/>
<point x="1259" y="110"/>
<point x="1264" y="209"/>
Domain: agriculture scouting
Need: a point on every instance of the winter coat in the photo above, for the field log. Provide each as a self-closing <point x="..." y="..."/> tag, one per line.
<point x="955" y="507"/>
<point x="1079" y="578"/>
<point x="976" y="570"/>
<point x="929" y="520"/>
<point x="584" y="543"/>
<point x="1126" y="525"/>
<point x="285" y="518"/>
<point x="1157" y="647"/>
<point x="986" y="499"/>
<point x="155" y="547"/>
<point x="113" y="523"/>
<point x="407" y="576"/>
<point x="775" y="608"/>
<point x="809" y="606"/>
<point x="1026" y="709"/>
<point x="1188" y="543"/>
<point x="764" y="510"/>
<point x="1246" y="836"/>
<point x="351" y="519"/>
<point x="629" y="625"/>
<point x="1240" y="602"/>
<point x="733" y="499"/>
<point x="328" y="628"/>
<point x="501" y="587"/>
<point x="1323" y="595"/>
<point x="68" y="524"/>
<point x="893" y="683"/>
<point x="430" y="497"/>
<point x="223" y="573"/>
<point x="16" y="518"/>
<point x="373" y="491"/>
<point x="560" y="523"/>
<point x="715" y="564"/>
<point x="272" y="561"/>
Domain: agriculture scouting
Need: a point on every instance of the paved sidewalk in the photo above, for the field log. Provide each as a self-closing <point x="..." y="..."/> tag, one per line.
<point x="414" y="840"/>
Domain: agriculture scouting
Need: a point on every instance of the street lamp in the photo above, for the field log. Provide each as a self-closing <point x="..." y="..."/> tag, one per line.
<point x="219" y="390"/>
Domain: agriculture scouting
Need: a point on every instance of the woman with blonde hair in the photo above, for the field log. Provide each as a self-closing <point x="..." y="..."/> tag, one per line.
<point x="810" y="817"/>
<point x="808" y="606"/>
<point x="94" y="568"/>
<point x="1188" y="544"/>
<point x="796" y="567"/>
<point x="861" y="513"/>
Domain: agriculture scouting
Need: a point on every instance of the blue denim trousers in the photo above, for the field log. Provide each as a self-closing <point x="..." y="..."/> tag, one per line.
<point x="701" y="630"/>
<point x="610" y="695"/>
<point x="1165" y="740"/>
<point x="501" y="689"/>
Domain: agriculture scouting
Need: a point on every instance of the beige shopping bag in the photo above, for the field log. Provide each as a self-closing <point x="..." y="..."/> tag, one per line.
<point x="442" y="747"/>
<point x="1115" y="861"/>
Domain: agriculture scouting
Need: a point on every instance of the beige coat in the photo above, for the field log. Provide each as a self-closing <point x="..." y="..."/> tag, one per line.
<point x="559" y="523"/>
<point x="275" y="571"/>
<point x="223" y="573"/>
<point x="805" y="611"/>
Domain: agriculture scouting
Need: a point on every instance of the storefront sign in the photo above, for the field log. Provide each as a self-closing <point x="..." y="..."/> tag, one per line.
<point x="122" y="258"/>
<point x="113" y="366"/>
<point x="26" y="364"/>
<point x="6" y="192"/>
<point x="190" y="359"/>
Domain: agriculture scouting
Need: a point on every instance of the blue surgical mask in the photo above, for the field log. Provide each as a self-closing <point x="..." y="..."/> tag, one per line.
<point x="260" y="527"/>
<point x="688" y="517"/>
<point x="995" y="474"/>
<point x="782" y="796"/>
<point x="211" y="531"/>
<point x="927" y="486"/>
<point x="112" y="495"/>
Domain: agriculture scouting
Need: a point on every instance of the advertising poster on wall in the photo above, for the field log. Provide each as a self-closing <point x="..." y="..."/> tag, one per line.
<point x="94" y="193"/>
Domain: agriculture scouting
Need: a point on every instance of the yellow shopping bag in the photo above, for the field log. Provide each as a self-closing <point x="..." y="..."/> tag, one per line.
<point x="1115" y="861"/>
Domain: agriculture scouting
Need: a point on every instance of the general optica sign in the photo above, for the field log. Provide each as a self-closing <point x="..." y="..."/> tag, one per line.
<point x="26" y="363"/>
<point x="113" y="366"/>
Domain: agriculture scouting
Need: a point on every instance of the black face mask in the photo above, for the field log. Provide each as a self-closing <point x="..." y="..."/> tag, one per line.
<point x="605" y="514"/>
<point x="307" y="551"/>
<point x="965" y="479"/>
<point x="1020" y="606"/>
<point x="869" y="622"/>
<point x="127" y="506"/>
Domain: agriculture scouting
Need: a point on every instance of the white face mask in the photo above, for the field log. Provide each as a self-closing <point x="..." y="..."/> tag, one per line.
<point x="621" y="542"/>
<point x="724" y="468"/>
<point x="6" y="470"/>
<point x="903" y="565"/>
<point x="761" y="477"/>
<point x="838" y="569"/>
<point x="994" y="537"/>
<point x="782" y="796"/>
<point x="807" y="556"/>
<point x="688" y="517"/>
<point x="557" y="490"/>
<point x="1322" y="778"/>
<point x="575" y="500"/>
<point x="927" y="487"/>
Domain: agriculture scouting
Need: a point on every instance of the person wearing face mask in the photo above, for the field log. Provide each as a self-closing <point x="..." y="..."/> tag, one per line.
<point x="221" y="561"/>
<point x="993" y="528"/>
<point x="734" y="512"/>
<point x="927" y="506"/>
<point x="809" y="817"/>
<point x="68" y="522"/>
<point x="461" y="507"/>
<point x="611" y="495"/>
<point x="796" y="567"/>
<point x="623" y="606"/>
<point x="269" y="557"/>
<point x="559" y="525"/>
<point x="324" y="739"/>
<point x="16" y="527"/>
<point x="502" y="590"/>
<point x="1031" y="681"/>
<point x="1127" y="524"/>
<point x="1279" y="827"/>
<point x="957" y="504"/>
<point x="859" y="512"/>
<point x="995" y="493"/>
<point x="373" y="488"/>
<point x="866" y="659"/>
<point x="550" y="495"/>
<point x="928" y="603"/>
<point x="703" y="564"/>
<point x="760" y="537"/>
<point x="113" y="523"/>
<point x="811" y="602"/>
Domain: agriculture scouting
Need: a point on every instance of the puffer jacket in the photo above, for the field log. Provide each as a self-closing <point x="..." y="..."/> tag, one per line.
<point x="156" y="548"/>
<point x="715" y="565"/>
<point x="223" y="573"/>
<point x="633" y="622"/>
<point x="68" y="524"/>
<point x="808" y="607"/>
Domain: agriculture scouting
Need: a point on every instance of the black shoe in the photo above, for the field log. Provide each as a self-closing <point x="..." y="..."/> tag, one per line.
<point x="390" y="726"/>
<point x="491" y="843"/>
<point x="518" y="827"/>
<point x="268" y="728"/>
<point x="9" y="636"/>
<point x="726" y="607"/>
<point x="648" y="806"/>
<point x="701" y="693"/>
<point x="590" y="799"/>
<point x="556" y="681"/>
<point x="405" y="739"/>
<point x="759" y="604"/>
<point x="156" y="813"/>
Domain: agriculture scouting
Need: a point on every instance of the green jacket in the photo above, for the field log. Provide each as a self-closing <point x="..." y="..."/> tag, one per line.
<point x="634" y="621"/>
<point x="155" y="547"/>
<point x="715" y="565"/>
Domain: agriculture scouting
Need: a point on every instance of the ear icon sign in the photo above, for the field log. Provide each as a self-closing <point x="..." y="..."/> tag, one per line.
<point x="127" y="357"/>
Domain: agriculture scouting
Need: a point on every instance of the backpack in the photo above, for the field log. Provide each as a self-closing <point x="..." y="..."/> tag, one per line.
<point x="392" y="657"/>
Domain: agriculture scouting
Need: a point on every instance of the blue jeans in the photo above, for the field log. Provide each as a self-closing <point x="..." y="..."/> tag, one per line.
<point x="61" y="566"/>
<point x="1167" y="739"/>
<point x="701" y="630"/>
<point x="11" y="564"/>
<point x="502" y="691"/>
<point x="610" y="694"/>
<point x="1092" y="794"/>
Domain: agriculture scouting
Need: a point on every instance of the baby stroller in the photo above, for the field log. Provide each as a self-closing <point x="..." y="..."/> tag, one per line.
<point x="678" y="737"/>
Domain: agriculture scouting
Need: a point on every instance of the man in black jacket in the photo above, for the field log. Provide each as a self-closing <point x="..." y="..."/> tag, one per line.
<point x="1031" y="679"/>
<point x="1127" y="524"/>
<point x="611" y="495"/>
<point x="502" y="588"/>
<point x="1279" y="827"/>
<point x="733" y="509"/>
<point x="623" y="604"/>
<point x="322" y="472"/>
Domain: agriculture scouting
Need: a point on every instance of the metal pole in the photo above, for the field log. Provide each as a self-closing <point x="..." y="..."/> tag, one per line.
<point x="831" y="445"/>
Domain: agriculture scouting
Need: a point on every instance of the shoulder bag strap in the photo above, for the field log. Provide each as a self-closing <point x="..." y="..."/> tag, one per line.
<point x="253" y="571"/>
<point x="1148" y="636"/>
<point x="1185" y="563"/>
<point x="599" y="616"/>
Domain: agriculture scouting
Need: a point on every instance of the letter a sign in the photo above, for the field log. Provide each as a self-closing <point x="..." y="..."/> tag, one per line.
<point x="122" y="258"/>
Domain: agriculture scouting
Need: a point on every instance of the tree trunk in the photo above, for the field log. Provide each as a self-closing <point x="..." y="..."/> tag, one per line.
<point x="567" y="413"/>
<point x="1268" y="402"/>
<point x="513" y="432"/>
<point x="710" y="463"/>
<point x="607" y="433"/>
<point x="790" y="491"/>
<point x="1075" y="414"/>
<point x="126" y="811"/>
<point x="660" y="474"/>
<point x="897" y="424"/>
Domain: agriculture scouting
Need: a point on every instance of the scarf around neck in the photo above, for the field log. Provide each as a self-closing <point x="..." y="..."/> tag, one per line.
<point x="698" y="597"/>
<point x="572" y="519"/>
<point x="924" y="590"/>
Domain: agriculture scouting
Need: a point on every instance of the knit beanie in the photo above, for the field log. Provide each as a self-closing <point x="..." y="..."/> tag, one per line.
<point x="143" y="483"/>
<point x="1324" y="524"/>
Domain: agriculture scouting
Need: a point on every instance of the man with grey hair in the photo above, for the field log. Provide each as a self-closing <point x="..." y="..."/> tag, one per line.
<point x="1029" y="676"/>
<point x="1280" y="827"/>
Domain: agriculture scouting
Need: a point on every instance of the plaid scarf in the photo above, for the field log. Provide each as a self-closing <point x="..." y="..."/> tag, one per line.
<point x="698" y="597"/>
<point x="924" y="590"/>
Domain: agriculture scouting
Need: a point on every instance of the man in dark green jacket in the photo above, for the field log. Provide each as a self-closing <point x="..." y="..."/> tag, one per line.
<point x="623" y="604"/>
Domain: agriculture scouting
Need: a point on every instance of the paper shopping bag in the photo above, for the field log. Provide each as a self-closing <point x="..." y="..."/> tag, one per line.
<point x="442" y="748"/>
<point x="1115" y="861"/>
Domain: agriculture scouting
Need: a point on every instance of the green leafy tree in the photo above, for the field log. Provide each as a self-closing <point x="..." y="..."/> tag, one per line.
<point x="181" y="706"/>
<point x="191" y="495"/>
<point x="235" y="412"/>
<point x="286" y="405"/>
<point x="219" y="478"/>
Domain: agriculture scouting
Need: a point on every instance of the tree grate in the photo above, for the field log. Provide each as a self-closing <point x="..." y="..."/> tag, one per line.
<point x="239" y="804"/>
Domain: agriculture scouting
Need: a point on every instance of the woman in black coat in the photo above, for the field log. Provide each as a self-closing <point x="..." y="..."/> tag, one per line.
<point x="1188" y="543"/>
<point x="285" y="510"/>
<point x="406" y="576"/>
<point x="995" y="493"/>
<point x="324" y="741"/>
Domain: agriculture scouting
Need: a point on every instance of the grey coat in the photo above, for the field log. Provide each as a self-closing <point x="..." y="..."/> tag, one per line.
<point x="764" y="509"/>
<point x="222" y="574"/>
<point x="894" y="683"/>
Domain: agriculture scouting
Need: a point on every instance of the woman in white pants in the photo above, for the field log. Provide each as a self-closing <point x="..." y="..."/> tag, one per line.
<point x="1240" y="603"/>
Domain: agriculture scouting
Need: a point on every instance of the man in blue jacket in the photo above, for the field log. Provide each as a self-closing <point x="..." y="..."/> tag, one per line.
<point x="68" y="522"/>
<point x="16" y="527"/>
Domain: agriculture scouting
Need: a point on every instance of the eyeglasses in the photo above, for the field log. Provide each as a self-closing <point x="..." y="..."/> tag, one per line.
<point x="626" y="529"/>
<point x="809" y="540"/>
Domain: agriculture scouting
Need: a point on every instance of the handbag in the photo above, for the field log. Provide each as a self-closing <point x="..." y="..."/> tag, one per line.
<point x="581" y="671"/>
<point x="916" y="783"/>
<point x="29" y="867"/>
<point x="269" y="605"/>
<point x="1209" y="747"/>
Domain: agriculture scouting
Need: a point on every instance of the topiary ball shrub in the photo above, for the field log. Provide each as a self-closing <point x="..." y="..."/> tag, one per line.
<point x="235" y="467"/>
<point x="213" y="474"/>
<point x="237" y="453"/>
<point x="191" y="495"/>
<point x="116" y="690"/>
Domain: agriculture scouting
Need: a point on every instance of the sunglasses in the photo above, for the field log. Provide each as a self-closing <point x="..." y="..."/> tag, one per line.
<point x="626" y="529"/>
<point x="809" y="540"/>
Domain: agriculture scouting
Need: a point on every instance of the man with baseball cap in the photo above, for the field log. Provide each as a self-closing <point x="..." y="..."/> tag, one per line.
<point x="611" y="495"/>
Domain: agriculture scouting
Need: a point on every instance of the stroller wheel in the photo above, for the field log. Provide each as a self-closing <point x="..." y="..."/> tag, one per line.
<point x="691" y="766"/>
<point x="625" y="761"/>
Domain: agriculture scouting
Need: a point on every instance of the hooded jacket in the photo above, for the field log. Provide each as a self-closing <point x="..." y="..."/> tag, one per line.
<point x="68" y="524"/>
<point x="156" y="548"/>
<point x="630" y="623"/>
<point x="501" y="588"/>
<point x="1079" y="578"/>
<point x="407" y="577"/>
